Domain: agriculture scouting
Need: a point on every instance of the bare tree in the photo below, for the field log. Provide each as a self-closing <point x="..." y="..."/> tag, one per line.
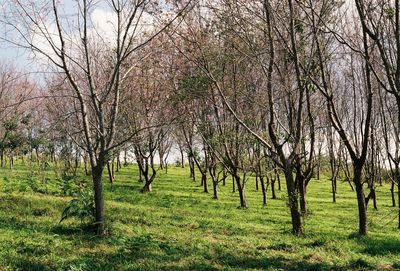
<point x="94" y="66"/>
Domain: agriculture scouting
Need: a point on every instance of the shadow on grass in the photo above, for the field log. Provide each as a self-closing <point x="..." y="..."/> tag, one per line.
<point x="25" y="264"/>
<point x="380" y="247"/>
<point x="145" y="253"/>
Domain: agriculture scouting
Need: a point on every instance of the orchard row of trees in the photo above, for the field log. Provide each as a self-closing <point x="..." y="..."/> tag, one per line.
<point x="278" y="90"/>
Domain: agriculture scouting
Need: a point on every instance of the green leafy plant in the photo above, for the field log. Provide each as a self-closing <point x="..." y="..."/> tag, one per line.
<point x="81" y="207"/>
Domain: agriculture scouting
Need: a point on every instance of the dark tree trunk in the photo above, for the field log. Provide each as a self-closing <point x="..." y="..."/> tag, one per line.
<point x="110" y="175"/>
<point x="278" y="179"/>
<point x="362" y="208"/>
<point x="398" y="201"/>
<point x="233" y="185"/>
<point x="273" y="188"/>
<point x="146" y="188"/>
<point x="241" y="189"/>
<point x="97" y="173"/>
<point x="140" y="176"/>
<point x="334" y="186"/>
<point x="11" y="161"/>
<point x="182" y="157"/>
<point x="119" y="166"/>
<point x="263" y="190"/>
<point x="215" y="189"/>
<point x="191" y="167"/>
<point x="303" y="194"/>
<point x="224" y="176"/>
<point x="392" y="194"/>
<point x="204" y="182"/>
<point x="148" y="180"/>
<point x="297" y="225"/>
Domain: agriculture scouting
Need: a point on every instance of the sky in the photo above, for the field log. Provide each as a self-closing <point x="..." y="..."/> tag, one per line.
<point x="103" y="19"/>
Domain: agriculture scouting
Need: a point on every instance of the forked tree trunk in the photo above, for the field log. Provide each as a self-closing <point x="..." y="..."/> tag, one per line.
<point x="148" y="180"/>
<point x="146" y="188"/>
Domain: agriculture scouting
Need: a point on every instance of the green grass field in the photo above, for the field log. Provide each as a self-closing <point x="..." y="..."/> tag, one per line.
<point x="177" y="227"/>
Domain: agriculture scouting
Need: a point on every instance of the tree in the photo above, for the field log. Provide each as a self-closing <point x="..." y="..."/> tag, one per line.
<point x="353" y="126"/>
<point x="93" y="66"/>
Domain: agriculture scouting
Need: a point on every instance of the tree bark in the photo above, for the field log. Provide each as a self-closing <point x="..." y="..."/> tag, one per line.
<point x="303" y="195"/>
<point x="110" y="175"/>
<point x="392" y="194"/>
<point x="97" y="173"/>
<point x="362" y="208"/>
<point x="204" y="182"/>
<point x="263" y="190"/>
<point x="273" y="180"/>
<point x="297" y="226"/>
<point x="241" y="189"/>
<point x="256" y="183"/>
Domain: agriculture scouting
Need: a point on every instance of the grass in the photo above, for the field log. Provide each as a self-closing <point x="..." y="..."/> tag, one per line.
<point x="177" y="227"/>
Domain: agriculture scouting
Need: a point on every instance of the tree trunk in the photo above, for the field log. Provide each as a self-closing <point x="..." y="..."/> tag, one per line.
<point x="392" y="194"/>
<point x="125" y="157"/>
<point x="398" y="201"/>
<point x="118" y="163"/>
<point x="297" y="226"/>
<point x="182" y="158"/>
<point x="362" y="208"/>
<point x="140" y="177"/>
<point x="273" y="188"/>
<point x="11" y="161"/>
<point x="204" y="182"/>
<point x="263" y="190"/>
<point x="256" y="183"/>
<point x="303" y="195"/>
<point x="279" y="180"/>
<point x="146" y="188"/>
<point x="241" y="189"/>
<point x="191" y="166"/>
<point x="97" y="173"/>
<point x="224" y="176"/>
<point x="215" y="189"/>
<point x="333" y="183"/>
<point x="110" y="175"/>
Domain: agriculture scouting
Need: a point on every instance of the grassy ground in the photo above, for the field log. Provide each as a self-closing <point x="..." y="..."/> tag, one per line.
<point x="177" y="227"/>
